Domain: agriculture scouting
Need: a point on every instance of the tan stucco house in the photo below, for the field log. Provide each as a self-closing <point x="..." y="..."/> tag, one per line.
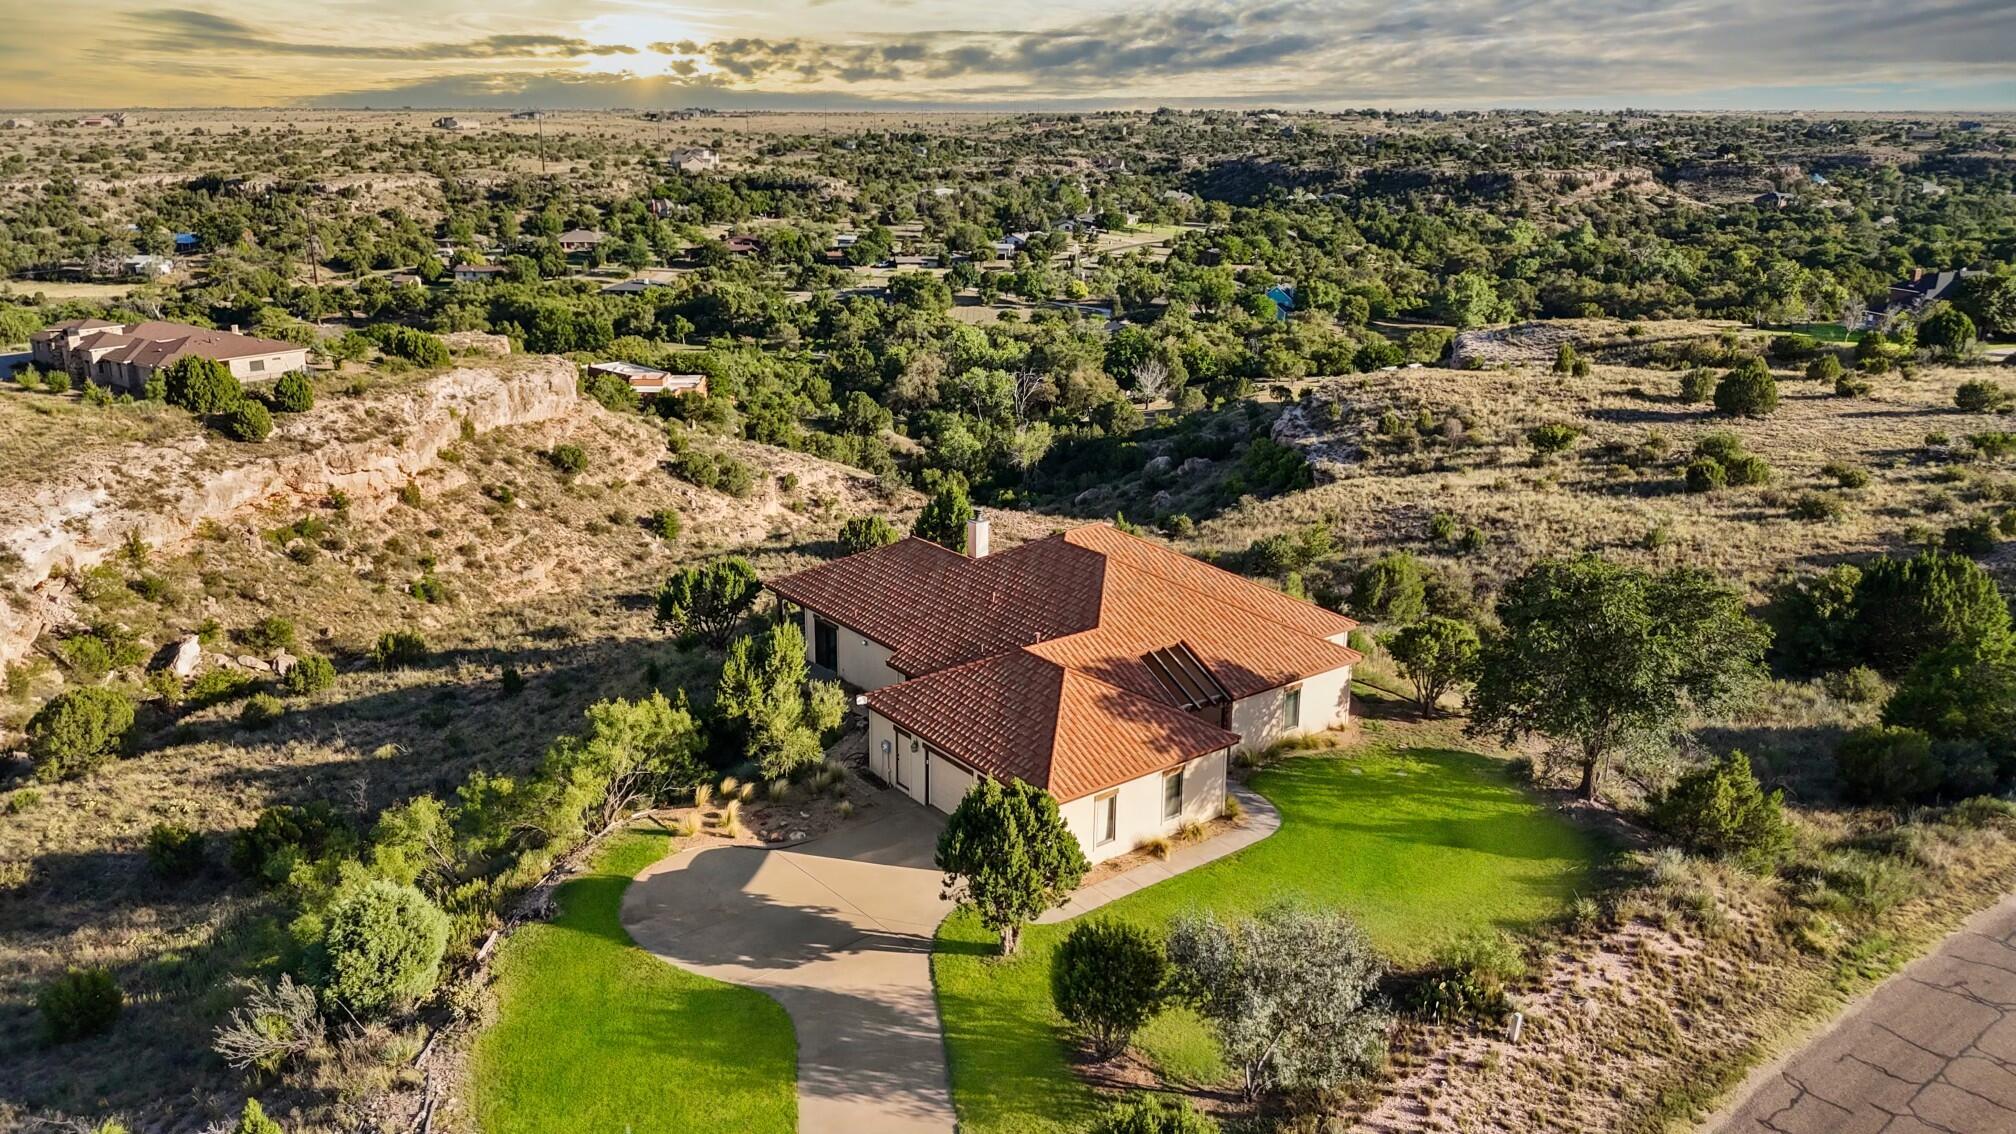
<point x="123" y="355"/>
<point x="1114" y="672"/>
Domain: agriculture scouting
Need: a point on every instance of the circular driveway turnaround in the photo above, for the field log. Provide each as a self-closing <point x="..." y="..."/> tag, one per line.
<point x="838" y="930"/>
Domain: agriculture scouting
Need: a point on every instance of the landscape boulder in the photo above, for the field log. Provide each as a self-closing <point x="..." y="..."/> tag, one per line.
<point x="187" y="656"/>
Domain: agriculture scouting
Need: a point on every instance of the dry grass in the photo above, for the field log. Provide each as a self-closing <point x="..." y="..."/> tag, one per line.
<point x="555" y="585"/>
<point x="1612" y="493"/>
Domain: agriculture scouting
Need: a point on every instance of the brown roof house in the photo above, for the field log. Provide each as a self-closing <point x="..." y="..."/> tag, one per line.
<point x="1111" y="671"/>
<point x="649" y="381"/>
<point x="124" y="355"/>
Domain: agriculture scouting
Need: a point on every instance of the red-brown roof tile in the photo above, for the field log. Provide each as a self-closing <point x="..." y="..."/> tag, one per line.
<point x="1019" y="716"/>
<point x="1032" y="662"/>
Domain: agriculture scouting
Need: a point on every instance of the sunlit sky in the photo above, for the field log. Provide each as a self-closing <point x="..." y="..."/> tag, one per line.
<point x="861" y="54"/>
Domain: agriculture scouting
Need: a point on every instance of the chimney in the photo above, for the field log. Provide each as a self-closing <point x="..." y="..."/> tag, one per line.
<point x="977" y="531"/>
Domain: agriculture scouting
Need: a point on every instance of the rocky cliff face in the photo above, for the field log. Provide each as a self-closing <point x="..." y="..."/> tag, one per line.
<point x="366" y="447"/>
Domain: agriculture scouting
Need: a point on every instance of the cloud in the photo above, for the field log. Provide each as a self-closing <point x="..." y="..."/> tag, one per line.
<point x="1123" y="52"/>
<point x="184" y="29"/>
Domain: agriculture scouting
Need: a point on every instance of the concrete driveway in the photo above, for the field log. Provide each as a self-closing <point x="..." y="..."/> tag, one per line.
<point x="838" y="929"/>
<point x="1933" y="1051"/>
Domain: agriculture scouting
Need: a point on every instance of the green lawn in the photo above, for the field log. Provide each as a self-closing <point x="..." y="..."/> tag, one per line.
<point x="1419" y="843"/>
<point x="593" y="1033"/>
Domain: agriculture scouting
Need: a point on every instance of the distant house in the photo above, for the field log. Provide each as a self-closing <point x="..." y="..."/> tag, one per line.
<point x="1772" y="200"/>
<point x="186" y="240"/>
<point x="527" y="115"/>
<point x="1283" y="296"/>
<point x="915" y="262"/>
<point x="125" y="355"/>
<point x="18" y="124"/>
<point x="477" y="273"/>
<point x="1010" y="244"/>
<point x="649" y="381"/>
<point x="636" y="285"/>
<point x="102" y="120"/>
<point x="450" y="122"/>
<point x="696" y="159"/>
<point x="1921" y="289"/>
<point x="404" y="279"/>
<point x="846" y="239"/>
<point x="580" y="240"/>
<point x="146" y="266"/>
<point x="744" y="245"/>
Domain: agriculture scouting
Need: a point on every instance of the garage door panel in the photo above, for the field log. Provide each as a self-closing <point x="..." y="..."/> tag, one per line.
<point x="949" y="783"/>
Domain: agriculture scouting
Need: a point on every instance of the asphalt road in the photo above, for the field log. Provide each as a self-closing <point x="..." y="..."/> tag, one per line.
<point x="1933" y="1051"/>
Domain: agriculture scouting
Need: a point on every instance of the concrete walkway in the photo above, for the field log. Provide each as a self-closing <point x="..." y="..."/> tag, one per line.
<point x="1932" y="1050"/>
<point x="1261" y="821"/>
<point x="838" y="930"/>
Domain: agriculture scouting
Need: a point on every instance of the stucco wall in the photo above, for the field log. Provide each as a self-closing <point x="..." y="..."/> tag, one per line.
<point x="863" y="664"/>
<point x="947" y="779"/>
<point x="1140" y="800"/>
<point x="1140" y="808"/>
<point x="1326" y="702"/>
<point x="272" y="365"/>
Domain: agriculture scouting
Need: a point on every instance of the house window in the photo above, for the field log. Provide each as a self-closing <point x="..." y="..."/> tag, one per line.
<point x="258" y="364"/>
<point x="1291" y="707"/>
<point x="1106" y="818"/>
<point x="1172" y="793"/>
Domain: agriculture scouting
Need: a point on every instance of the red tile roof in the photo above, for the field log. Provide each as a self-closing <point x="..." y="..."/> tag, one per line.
<point x="1031" y="662"/>
<point x="1019" y="716"/>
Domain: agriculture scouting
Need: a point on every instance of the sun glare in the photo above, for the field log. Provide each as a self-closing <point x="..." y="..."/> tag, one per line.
<point x="645" y="31"/>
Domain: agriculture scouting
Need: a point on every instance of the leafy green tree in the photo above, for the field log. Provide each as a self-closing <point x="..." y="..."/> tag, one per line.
<point x="1391" y="589"/>
<point x="1906" y="608"/>
<point x="1470" y="299"/>
<point x="633" y="754"/>
<point x="1437" y="654"/>
<point x="1989" y="299"/>
<point x="1962" y="691"/>
<point x="1292" y="994"/>
<point x="764" y="697"/>
<point x="246" y="421"/>
<point x="311" y="674"/>
<point x="1153" y="1113"/>
<point x="1552" y="437"/>
<point x="1721" y="809"/>
<point x="397" y="648"/>
<point x="1008" y="856"/>
<point x="78" y="731"/>
<point x="383" y="947"/>
<point x="1948" y="332"/>
<point x="1978" y="395"/>
<point x="943" y="520"/>
<point x="80" y="1004"/>
<point x="201" y="385"/>
<point x="1747" y="391"/>
<point x="1107" y="978"/>
<point x="1887" y="764"/>
<point x="1602" y="656"/>
<point x="253" y="1120"/>
<point x="293" y="393"/>
<point x="866" y="533"/>
<point x="709" y="601"/>
<point x="1826" y="368"/>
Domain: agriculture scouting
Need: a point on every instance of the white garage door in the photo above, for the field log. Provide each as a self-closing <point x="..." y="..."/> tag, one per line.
<point x="949" y="782"/>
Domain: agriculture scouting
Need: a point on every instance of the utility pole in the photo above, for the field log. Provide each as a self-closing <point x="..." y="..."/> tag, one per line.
<point x="539" y="116"/>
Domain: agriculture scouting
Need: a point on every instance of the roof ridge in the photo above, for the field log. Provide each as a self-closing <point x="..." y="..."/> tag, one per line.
<point x="1173" y="581"/>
